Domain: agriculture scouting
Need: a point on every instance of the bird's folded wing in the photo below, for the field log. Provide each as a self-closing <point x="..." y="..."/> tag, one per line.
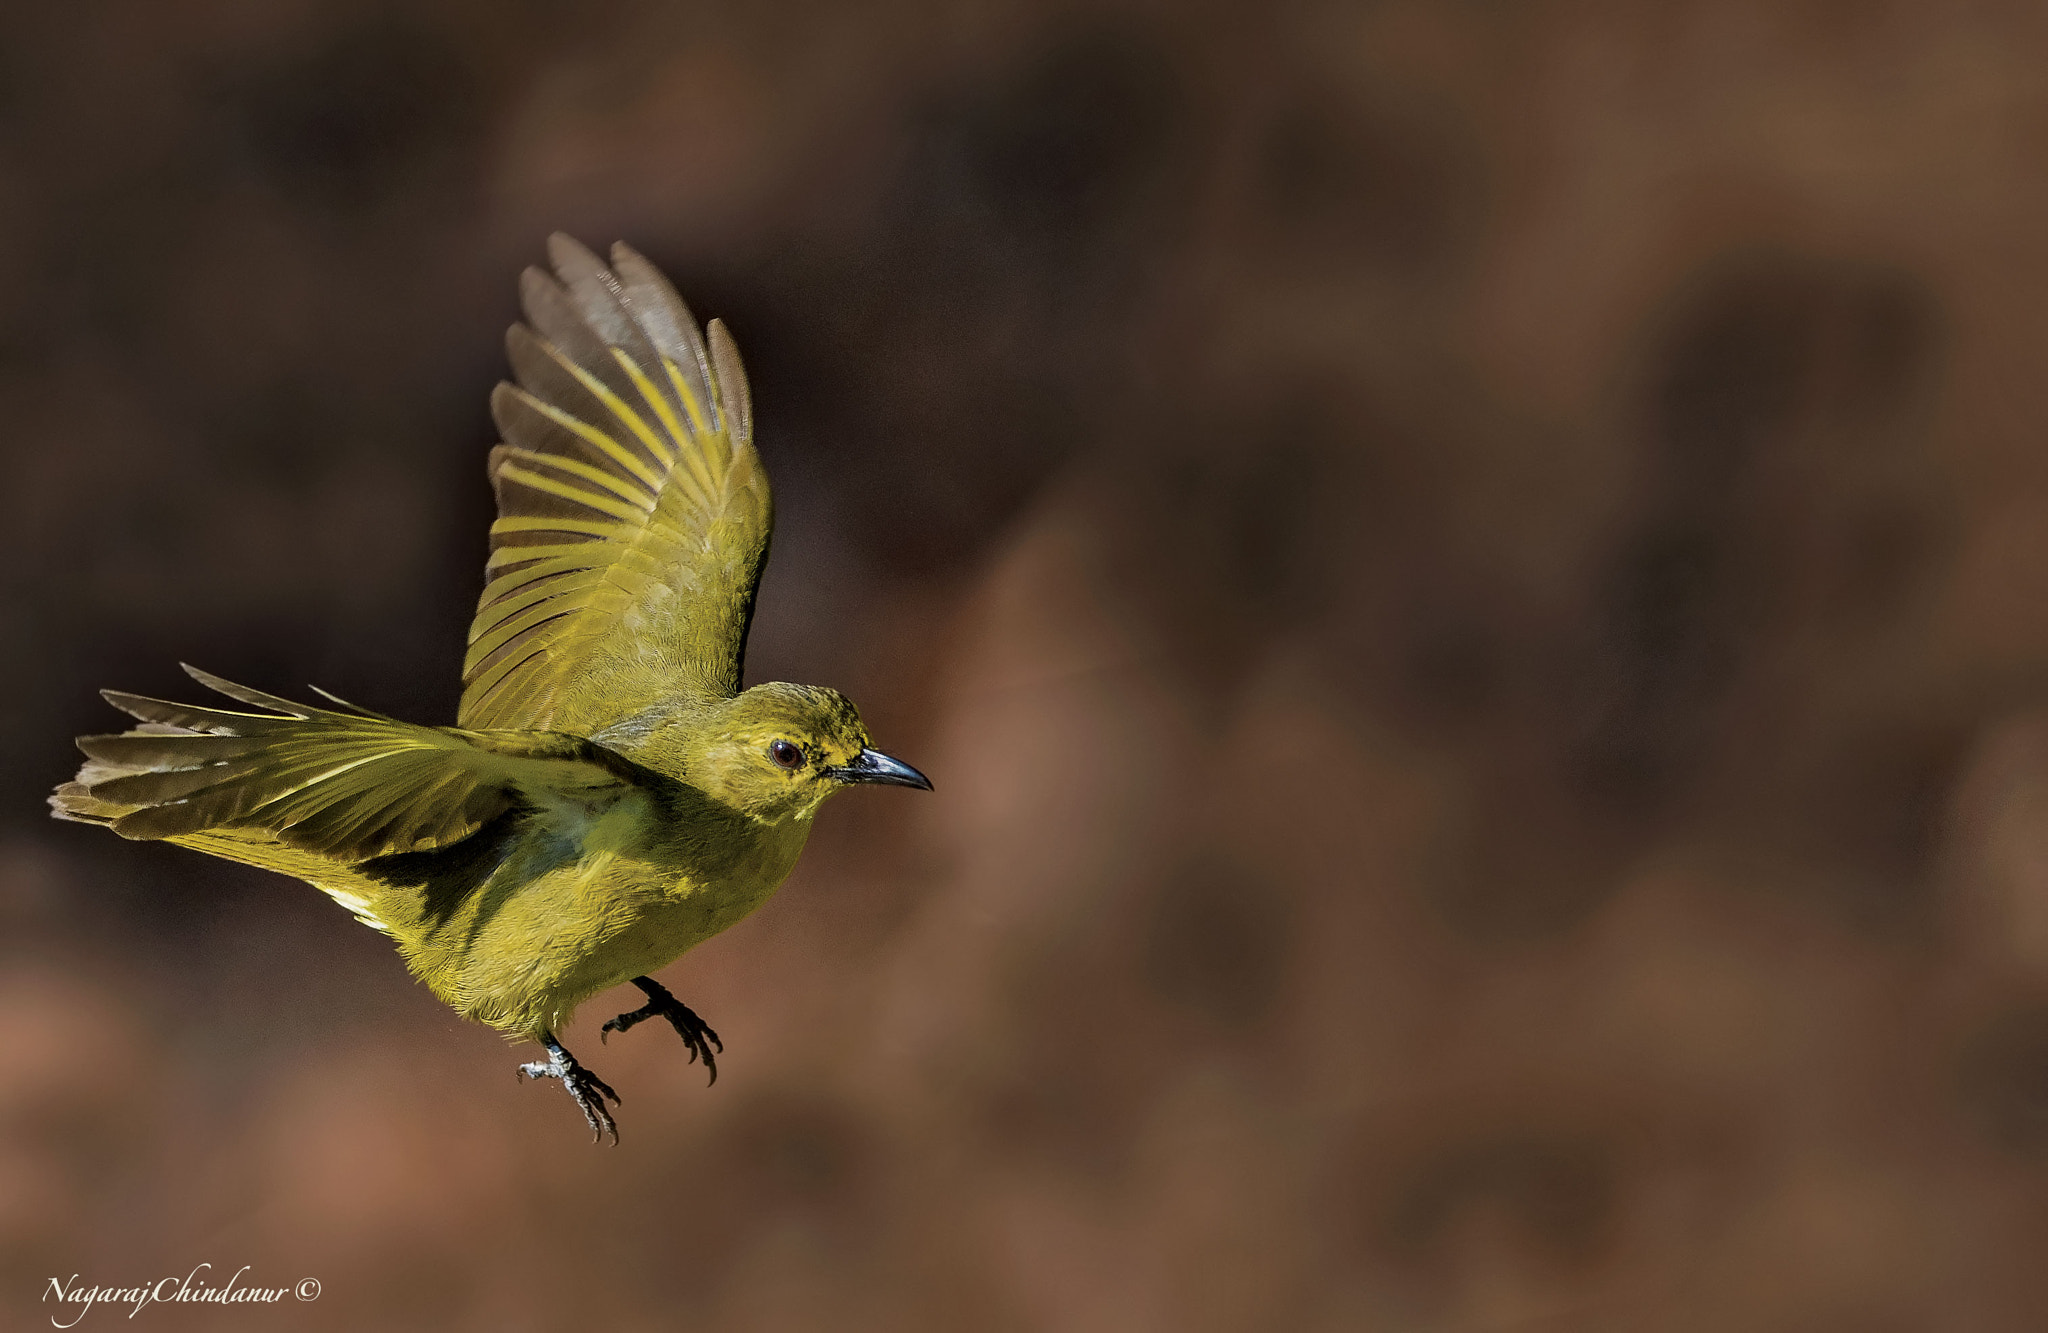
<point x="346" y="785"/>
<point x="633" y="512"/>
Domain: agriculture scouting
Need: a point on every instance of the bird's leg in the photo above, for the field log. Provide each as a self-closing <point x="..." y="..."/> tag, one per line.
<point x="587" y="1088"/>
<point x="695" y="1032"/>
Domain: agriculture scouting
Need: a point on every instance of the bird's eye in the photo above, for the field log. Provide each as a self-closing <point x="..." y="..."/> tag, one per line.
<point x="785" y="754"/>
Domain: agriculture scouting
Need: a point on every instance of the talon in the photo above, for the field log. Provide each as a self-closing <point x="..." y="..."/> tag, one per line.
<point x="698" y="1038"/>
<point x="585" y="1088"/>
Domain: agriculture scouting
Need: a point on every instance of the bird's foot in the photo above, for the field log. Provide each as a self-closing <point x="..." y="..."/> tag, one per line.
<point x="587" y="1088"/>
<point x="695" y="1032"/>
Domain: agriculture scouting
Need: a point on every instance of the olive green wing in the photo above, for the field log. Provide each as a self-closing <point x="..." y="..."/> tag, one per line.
<point x="341" y="786"/>
<point x="633" y="512"/>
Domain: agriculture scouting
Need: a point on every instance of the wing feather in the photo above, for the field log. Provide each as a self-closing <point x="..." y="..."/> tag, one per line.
<point x="633" y="512"/>
<point x="672" y="329"/>
<point x="725" y="355"/>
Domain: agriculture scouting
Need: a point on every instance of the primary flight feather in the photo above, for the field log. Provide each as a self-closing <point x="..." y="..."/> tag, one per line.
<point x="611" y="797"/>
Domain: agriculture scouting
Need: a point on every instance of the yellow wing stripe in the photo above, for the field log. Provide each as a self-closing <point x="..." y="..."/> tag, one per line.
<point x="617" y="452"/>
<point x="510" y="628"/>
<point x="497" y="615"/>
<point x="695" y="452"/>
<point x="643" y="558"/>
<point x="520" y="555"/>
<point x="688" y="395"/>
<point x="511" y="662"/>
<point x="543" y="571"/>
<point x="618" y="509"/>
<point x="608" y="531"/>
<point x="617" y="485"/>
<point x="617" y="405"/>
<point x="653" y="395"/>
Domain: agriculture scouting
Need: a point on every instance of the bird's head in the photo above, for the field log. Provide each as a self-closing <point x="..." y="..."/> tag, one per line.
<point x="778" y="750"/>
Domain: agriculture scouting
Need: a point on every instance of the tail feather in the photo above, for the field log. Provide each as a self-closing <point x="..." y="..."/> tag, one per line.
<point x="158" y="750"/>
<point x="75" y="801"/>
<point x="106" y="762"/>
<point x="350" y="785"/>
<point x="314" y="792"/>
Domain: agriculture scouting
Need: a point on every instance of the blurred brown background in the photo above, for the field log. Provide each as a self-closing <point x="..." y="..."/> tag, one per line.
<point x="1473" y="578"/>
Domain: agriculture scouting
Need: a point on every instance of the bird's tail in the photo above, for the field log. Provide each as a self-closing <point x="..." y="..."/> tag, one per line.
<point x="159" y="783"/>
<point x="75" y="799"/>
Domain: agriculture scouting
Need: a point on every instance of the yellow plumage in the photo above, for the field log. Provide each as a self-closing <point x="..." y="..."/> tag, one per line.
<point x="611" y="797"/>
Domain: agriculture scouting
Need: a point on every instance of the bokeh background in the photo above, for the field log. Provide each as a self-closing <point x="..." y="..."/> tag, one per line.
<point x="1473" y="578"/>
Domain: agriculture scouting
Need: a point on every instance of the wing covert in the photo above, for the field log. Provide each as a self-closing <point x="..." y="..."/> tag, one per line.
<point x="633" y="511"/>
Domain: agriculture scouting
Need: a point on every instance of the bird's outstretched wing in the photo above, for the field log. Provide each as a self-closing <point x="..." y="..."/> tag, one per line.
<point x="344" y="786"/>
<point x="633" y="512"/>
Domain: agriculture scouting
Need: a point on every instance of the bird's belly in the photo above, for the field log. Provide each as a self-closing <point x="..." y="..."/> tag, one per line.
<point x="532" y="953"/>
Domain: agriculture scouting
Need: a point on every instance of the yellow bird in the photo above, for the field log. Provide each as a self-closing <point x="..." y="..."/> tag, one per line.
<point x="610" y="797"/>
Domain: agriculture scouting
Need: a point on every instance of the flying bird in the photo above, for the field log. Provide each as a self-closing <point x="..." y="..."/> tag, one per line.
<point x="610" y="796"/>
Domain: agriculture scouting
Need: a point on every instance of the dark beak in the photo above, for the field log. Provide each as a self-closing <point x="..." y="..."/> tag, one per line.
<point x="874" y="766"/>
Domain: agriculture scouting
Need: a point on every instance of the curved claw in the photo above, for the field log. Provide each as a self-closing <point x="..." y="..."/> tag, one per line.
<point x="698" y="1037"/>
<point x="585" y="1088"/>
